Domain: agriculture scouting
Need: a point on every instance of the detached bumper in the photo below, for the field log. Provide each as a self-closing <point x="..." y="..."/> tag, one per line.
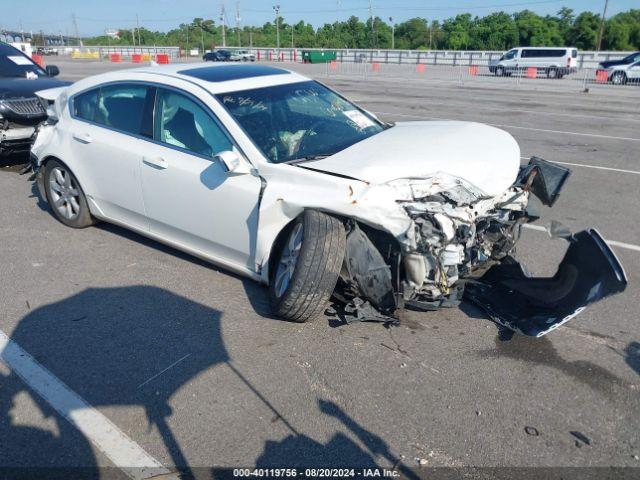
<point x="533" y="306"/>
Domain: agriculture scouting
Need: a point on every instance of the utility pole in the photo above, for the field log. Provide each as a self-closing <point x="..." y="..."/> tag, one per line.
<point x="251" y="37"/>
<point x="393" y="34"/>
<point x="224" y="34"/>
<point x="292" y="47"/>
<point x="138" y="29"/>
<point x="238" y="23"/>
<point x="21" y="31"/>
<point x="202" y="37"/>
<point x="75" y="26"/>
<point x="601" y="32"/>
<point x="373" y="32"/>
<point x="188" y="48"/>
<point x="276" y="9"/>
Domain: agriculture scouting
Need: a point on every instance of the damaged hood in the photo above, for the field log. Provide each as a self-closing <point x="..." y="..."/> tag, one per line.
<point x="484" y="156"/>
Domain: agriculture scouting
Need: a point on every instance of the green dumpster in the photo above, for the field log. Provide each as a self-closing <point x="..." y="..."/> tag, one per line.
<point x="318" y="56"/>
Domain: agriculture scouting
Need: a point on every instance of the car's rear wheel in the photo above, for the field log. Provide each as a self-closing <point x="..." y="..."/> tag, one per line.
<point x="619" y="78"/>
<point x="307" y="267"/>
<point x="65" y="196"/>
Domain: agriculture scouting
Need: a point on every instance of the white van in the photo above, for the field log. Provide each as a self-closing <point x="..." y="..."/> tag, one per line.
<point x="555" y="62"/>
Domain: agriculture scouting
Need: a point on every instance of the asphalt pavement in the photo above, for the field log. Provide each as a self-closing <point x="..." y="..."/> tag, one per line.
<point x="185" y="361"/>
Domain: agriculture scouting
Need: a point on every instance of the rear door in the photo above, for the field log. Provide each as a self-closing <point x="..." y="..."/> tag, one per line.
<point x="107" y="142"/>
<point x="189" y="196"/>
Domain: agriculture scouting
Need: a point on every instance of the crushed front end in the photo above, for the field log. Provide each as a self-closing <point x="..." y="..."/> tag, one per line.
<point x="461" y="243"/>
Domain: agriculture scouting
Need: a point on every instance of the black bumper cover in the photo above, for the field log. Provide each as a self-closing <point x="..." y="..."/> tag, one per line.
<point x="532" y="306"/>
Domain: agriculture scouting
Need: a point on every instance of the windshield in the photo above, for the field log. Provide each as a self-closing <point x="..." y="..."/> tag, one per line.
<point x="634" y="57"/>
<point x="299" y="121"/>
<point x="509" y="55"/>
<point x="14" y="64"/>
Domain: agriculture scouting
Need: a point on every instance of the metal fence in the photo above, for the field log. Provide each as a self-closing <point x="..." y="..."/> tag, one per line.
<point x="479" y="74"/>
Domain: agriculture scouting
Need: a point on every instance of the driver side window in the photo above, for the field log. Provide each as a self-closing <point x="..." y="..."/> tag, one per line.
<point x="183" y="123"/>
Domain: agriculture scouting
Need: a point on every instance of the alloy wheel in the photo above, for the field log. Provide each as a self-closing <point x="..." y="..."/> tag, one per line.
<point x="65" y="195"/>
<point x="288" y="260"/>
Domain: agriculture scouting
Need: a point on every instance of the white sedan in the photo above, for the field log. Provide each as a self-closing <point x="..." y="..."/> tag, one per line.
<point x="625" y="73"/>
<point x="279" y="178"/>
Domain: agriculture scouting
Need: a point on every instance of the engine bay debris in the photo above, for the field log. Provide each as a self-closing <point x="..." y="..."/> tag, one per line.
<point x="461" y="244"/>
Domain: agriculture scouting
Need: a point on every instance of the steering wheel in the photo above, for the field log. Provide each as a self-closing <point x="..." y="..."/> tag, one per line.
<point x="300" y="149"/>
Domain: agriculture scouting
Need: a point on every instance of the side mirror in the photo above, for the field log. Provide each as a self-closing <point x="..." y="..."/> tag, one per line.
<point x="52" y="70"/>
<point x="232" y="162"/>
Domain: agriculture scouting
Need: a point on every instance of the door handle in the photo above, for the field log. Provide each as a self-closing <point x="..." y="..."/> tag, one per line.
<point x="83" y="137"/>
<point x="156" y="162"/>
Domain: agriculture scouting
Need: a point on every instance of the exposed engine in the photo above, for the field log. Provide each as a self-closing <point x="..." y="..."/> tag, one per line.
<point x="459" y="233"/>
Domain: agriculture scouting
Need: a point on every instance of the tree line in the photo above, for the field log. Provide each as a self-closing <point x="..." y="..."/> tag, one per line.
<point x="496" y="31"/>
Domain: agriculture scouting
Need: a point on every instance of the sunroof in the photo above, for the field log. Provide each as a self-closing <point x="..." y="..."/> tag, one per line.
<point x="231" y="72"/>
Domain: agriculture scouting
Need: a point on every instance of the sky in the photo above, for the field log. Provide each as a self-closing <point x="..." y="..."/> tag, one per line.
<point x="93" y="17"/>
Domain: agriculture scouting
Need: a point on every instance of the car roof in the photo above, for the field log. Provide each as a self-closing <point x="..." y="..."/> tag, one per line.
<point x="216" y="78"/>
<point x="544" y="48"/>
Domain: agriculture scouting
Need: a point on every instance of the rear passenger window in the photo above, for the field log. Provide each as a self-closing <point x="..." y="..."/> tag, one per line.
<point x="84" y="105"/>
<point x="122" y="107"/>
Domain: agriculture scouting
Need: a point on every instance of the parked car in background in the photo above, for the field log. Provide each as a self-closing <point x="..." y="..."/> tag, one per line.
<point x="217" y="56"/>
<point x="47" y="51"/>
<point x="628" y="60"/>
<point x="20" y="109"/>
<point x="281" y="179"/>
<point x="554" y="62"/>
<point x="243" y="56"/>
<point x="621" y="74"/>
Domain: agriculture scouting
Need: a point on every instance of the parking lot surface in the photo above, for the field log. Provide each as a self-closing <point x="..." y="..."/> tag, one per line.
<point x="184" y="360"/>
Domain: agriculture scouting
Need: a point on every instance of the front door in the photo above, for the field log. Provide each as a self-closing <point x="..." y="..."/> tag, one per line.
<point x="189" y="196"/>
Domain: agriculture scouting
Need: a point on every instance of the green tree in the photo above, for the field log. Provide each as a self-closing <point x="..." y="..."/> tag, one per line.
<point x="584" y="31"/>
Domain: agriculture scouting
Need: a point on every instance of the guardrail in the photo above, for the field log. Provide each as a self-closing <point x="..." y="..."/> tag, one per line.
<point x="586" y="59"/>
<point x="125" y="52"/>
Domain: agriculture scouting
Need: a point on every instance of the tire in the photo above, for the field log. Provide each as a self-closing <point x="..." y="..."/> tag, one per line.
<point x="619" y="78"/>
<point x="65" y="196"/>
<point x="499" y="71"/>
<point x="552" y="73"/>
<point x="301" y="283"/>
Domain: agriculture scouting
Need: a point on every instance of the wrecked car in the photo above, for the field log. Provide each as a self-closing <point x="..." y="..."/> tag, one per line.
<point x="20" y="109"/>
<point x="281" y="179"/>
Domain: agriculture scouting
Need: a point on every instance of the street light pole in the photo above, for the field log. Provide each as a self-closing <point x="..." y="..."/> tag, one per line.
<point x="393" y="34"/>
<point x="276" y="9"/>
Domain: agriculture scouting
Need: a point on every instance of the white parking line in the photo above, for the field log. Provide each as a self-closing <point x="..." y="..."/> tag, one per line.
<point x="502" y="125"/>
<point x="598" y="167"/>
<point x="613" y="243"/>
<point x="104" y="434"/>
<point x="533" y="112"/>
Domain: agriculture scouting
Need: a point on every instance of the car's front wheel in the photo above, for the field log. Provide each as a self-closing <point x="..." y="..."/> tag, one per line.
<point x="65" y="196"/>
<point x="499" y="71"/>
<point x="307" y="267"/>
